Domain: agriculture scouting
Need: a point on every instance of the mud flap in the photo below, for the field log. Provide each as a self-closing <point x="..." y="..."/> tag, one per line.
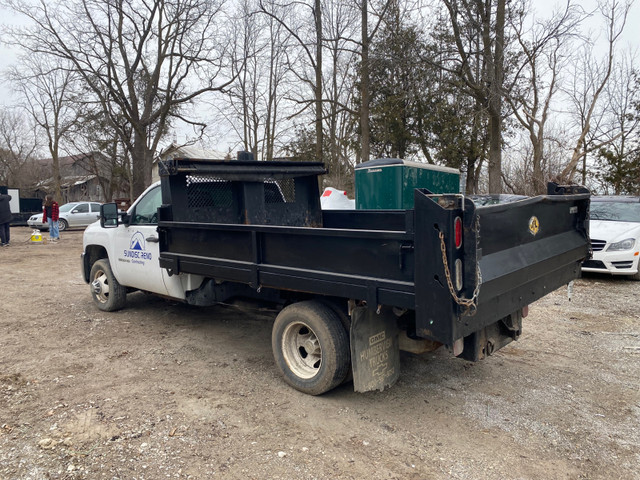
<point x="375" y="355"/>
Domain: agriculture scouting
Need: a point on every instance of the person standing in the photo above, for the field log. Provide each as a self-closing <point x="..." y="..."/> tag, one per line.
<point x="5" y="219"/>
<point x="51" y="215"/>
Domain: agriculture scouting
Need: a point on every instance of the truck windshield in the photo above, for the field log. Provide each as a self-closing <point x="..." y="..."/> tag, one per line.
<point x="615" y="211"/>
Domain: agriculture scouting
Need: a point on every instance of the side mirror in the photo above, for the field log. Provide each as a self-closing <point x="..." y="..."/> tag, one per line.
<point x="109" y="215"/>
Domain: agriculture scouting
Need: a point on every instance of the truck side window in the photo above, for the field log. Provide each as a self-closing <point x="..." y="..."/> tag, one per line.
<point x="146" y="211"/>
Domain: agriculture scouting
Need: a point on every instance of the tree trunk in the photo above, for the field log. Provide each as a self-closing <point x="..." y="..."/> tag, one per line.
<point x="318" y="92"/>
<point x="364" y="85"/>
<point x="538" y="175"/>
<point x="141" y="164"/>
<point x="55" y="161"/>
<point x="495" y="105"/>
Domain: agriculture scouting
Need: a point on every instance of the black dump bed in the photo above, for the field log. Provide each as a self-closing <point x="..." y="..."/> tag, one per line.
<point x="260" y="224"/>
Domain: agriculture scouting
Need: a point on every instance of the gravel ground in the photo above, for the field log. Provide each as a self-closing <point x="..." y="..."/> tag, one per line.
<point x="164" y="390"/>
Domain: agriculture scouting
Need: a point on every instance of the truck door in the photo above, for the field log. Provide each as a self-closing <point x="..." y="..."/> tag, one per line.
<point x="136" y="248"/>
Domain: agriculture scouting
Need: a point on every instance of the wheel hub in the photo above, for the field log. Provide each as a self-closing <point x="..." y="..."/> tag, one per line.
<point x="100" y="287"/>
<point x="96" y="287"/>
<point x="310" y="346"/>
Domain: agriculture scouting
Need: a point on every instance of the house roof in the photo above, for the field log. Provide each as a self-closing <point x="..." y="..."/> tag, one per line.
<point x="189" y="151"/>
<point x="67" y="160"/>
<point x="65" y="182"/>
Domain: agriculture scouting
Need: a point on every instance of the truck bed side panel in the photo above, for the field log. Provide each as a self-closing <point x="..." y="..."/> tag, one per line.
<point x="373" y="265"/>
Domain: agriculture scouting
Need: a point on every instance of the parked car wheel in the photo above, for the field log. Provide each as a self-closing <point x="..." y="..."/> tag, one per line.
<point x="62" y="225"/>
<point x="311" y="347"/>
<point x="107" y="293"/>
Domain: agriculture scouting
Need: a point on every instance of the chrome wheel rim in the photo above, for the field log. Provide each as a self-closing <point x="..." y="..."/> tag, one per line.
<point x="301" y="350"/>
<point x="100" y="286"/>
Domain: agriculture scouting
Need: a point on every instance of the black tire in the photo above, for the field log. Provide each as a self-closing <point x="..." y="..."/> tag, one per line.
<point x="107" y="293"/>
<point x="636" y="276"/>
<point x="311" y="347"/>
<point x="62" y="225"/>
<point x="342" y="311"/>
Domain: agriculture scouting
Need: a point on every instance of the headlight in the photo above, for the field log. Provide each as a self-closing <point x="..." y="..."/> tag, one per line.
<point x="626" y="244"/>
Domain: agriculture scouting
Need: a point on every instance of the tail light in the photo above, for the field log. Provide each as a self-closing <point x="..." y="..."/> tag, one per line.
<point x="458" y="231"/>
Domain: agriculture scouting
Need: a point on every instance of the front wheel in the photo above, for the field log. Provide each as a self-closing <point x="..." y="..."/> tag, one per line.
<point x="311" y="347"/>
<point x="62" y="225"/>
<point x="107" y="293"/>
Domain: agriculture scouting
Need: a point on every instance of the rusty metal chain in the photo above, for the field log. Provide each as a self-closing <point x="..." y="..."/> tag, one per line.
<point x="470" y="304"/>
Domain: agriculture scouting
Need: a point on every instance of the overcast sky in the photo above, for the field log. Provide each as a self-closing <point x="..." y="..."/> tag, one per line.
<point x="631" y="36"/>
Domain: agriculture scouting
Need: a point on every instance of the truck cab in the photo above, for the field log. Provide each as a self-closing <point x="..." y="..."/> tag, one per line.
<point x="128" y="252"/>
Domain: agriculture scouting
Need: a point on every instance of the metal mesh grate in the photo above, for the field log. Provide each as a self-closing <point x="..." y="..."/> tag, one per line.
<point x="208" y="191"/>
<point x="287" y="192"/>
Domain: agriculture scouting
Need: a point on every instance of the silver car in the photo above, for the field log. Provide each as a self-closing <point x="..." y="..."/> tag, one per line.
<point x="74" y="214"/>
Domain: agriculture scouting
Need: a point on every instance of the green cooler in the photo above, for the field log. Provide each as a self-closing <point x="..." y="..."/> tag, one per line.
<point x="388" y="183"/>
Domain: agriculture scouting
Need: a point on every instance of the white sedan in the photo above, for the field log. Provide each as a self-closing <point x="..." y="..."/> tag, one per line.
<point x="74" y="214"/>
<point x="614" y="228"/>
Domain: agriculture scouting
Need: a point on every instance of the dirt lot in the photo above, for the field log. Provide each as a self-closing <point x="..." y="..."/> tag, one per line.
<point x="163" y="390"/>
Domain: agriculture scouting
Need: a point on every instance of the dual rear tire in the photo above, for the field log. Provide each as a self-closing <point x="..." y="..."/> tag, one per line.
<point x="311" y="347"/>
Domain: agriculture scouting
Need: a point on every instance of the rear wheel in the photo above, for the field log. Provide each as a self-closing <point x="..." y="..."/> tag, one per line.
<point x="341" y="310"/>
<point x="62" y="225"/>
<point x="107" y="293"/>
<point x="311" y="347"/>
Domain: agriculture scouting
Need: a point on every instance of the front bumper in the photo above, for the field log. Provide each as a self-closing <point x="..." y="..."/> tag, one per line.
<point x="614" y="263"/>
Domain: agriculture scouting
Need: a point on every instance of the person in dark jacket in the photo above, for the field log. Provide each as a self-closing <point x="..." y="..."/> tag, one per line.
<point x="5" y="219"/>
<point x="51" y="215"/>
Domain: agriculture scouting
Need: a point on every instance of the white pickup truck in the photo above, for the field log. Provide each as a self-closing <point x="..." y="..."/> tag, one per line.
<point x="115" y="260"/>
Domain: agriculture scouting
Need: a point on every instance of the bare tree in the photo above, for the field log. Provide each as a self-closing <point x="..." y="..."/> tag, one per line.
<point x="46" y="87"/>
<point x="309" y="41"/>
<point x="486" y="20"/>
<point x="366" y="37"/>
<point x="109" y="161"/>
<point x="618" y="162"/>
<point x="18" y="146"/>
<point x="590" y="80"/>
<point x="545" y="51"/>
<point x="253" y="106"/>
<point x="144" y="61"/>
<point x="340" y="27"/>
<point x="279" y="42"/>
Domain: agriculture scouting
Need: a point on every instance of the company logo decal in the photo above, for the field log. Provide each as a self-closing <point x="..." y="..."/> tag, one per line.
<point x="137" y="242"/>
<point x="137" y="252"/>
<point x="534" y="225"/>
